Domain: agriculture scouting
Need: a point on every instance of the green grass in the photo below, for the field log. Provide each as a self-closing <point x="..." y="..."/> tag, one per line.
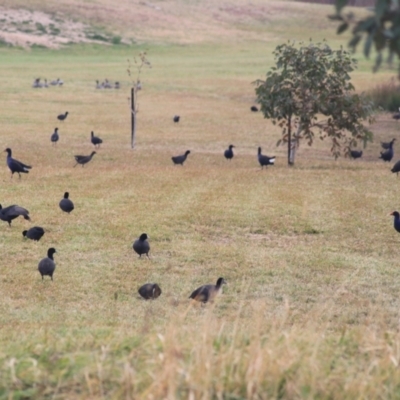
<point x="311" y="308"/>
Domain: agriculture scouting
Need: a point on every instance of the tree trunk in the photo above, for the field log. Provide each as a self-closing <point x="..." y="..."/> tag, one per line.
<point x="292" y="154"/>
<point x="133" y="118"/>
<point x="290" y="162"/>
<point x="295" y="145"/>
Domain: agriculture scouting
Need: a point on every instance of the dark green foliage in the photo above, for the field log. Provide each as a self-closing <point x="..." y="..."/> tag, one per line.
<point x="386" y="96"/>
<point x="97" y="36"/>
<point x="40" y="27"/>
<point x="380" y="30"/>
<point x="116" y="40"/>
<point x="54" y="30"/>
<point x="308" y="93"/>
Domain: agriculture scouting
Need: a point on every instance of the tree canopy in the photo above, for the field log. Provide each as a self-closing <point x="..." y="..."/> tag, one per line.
<point x="380" y="30"/>
<point x="308" y="94"/>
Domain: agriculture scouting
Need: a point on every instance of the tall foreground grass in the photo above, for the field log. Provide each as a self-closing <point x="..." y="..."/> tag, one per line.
<point x="198" y="355"/>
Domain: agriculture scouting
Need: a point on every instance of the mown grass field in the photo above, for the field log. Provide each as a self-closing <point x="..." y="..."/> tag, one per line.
<point x="311" y="309"/>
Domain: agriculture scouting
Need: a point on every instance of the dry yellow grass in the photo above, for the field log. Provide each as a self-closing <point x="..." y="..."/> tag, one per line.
<point x="311" y="308"/>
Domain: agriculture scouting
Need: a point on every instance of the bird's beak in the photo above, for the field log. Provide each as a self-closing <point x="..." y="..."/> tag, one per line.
<point x="391" y="213"/>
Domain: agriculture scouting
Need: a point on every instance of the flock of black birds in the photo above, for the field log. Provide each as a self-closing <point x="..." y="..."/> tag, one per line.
<point x="19" y="167"/>
<point x="37" y="84"/>
<point x="47" y="265"/>
<point x="386" y="155"/>
<point x="141" y="246"/>
<point x="149" y="291"/>
<point x="106" y="84"/>
<point x="263" y="160"/>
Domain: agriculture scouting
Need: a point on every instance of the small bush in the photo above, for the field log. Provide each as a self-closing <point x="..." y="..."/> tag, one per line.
<point x="55" y="32"/>
<point x="116" y="40"/>
<point x="38" y="46"/>
<point x="3" y="43"/>
<point x="40" y="27"/>
<point x="387" y="95"/>
<point x="96" y="36"/>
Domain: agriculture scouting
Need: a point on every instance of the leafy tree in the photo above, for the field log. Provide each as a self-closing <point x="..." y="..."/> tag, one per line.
<point x="381" y="29"/>
<point x="136" y="86"/>
<point x="308" y="93"/>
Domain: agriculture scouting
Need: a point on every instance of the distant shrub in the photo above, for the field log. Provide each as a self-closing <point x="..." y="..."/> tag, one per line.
<point x="40" y="27"/>
<point x="38" y="46"/>
<point x="387" y="95"/>
<point x="96" y="36"/>
<point x="116" y="40"/>
<point x="3" y="43"/>
<point x="54" y="30"/>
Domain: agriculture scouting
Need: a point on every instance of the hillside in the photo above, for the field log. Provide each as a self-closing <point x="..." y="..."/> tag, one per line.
<point x="51" y="24"/>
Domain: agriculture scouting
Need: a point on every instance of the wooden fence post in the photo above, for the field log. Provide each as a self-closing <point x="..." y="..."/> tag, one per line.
<point x="133" y="118"/>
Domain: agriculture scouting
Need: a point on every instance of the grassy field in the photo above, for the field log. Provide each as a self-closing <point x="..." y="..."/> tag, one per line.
<point x="311" y="309"/>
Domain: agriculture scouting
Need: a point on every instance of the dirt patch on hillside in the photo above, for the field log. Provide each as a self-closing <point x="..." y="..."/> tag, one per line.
<point x="52" y="24"/>
<point x="29" y="28"/>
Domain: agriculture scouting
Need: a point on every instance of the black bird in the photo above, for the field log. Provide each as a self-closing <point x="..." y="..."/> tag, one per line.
<point x="66" y="204"/>
<point x="180" y="159"/>
<point x="47" y="265"/>
<point x="15" y="165"/>
<point x="265" y="160"/>
<point x="34" y="233"/>
<point x="36" y="83"/>
<point x="396" y="168"/>
<point x="207" y="293"/>
<point x="254" y="108"/>
<point x="396" y="224"/>
<point x="83" y="159"/>
<point x="141" y="245"/>
<point x="177" y="118"/>
<point x="150" y="291"/>
<point x="356" y="154"/>
<point x="229" y="152"/>
<point x="62" y="117"/>
<point x="95" y="140"/>
<point x="387" y="155"/>
<point x="387" y="145"/>
<point x="396" y="116"/>
<point x="54" y="137"/>
<point x="11" y="212"/>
